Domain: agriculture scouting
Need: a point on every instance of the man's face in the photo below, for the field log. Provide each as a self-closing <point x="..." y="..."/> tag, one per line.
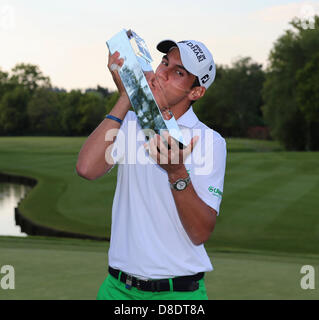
<point x="174" y="80"/>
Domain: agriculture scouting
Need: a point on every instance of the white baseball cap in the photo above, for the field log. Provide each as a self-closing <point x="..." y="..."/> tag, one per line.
<point x="196" y="59"/>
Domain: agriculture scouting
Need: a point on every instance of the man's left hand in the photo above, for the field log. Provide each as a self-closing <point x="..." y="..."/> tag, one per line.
<point x="166" y="152"/>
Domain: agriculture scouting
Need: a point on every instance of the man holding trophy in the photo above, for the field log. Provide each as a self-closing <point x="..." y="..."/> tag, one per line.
<point x="166" y="202"/>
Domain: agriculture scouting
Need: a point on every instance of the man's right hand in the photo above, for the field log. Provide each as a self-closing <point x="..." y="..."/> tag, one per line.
<point x="115" y="60"/>
<point x="91" y="162"/>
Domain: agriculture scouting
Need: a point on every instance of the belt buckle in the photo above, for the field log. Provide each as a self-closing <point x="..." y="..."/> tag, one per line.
<point x="194" y="285"/>
<point x="128" y="282"/>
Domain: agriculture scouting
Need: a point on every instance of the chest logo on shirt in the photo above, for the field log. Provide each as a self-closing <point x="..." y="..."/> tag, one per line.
<point x="215" y="192"/>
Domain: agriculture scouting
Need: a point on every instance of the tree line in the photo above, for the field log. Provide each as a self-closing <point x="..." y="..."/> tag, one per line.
<point x="29" y="105"/>
<point x="280" y="102"/>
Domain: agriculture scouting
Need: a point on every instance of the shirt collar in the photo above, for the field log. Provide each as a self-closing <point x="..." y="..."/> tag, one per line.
<point x="188" y="119"/>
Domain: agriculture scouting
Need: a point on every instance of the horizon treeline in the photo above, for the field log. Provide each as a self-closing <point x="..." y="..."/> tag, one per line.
<point x="29" y="105"/>
<point x="280" y="102"/>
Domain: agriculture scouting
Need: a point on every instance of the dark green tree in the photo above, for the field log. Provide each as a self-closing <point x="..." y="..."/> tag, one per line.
<point x="13" y="114"/>
<point x="70" y="113"/>
<point x="3" y="89"/>
<point x="282" y="111"/>
<point x="44" y="112"/>
<point x="29" y="76"/>
<point x="92" y="111"/>
<point x="16" y="90"/>
<point x="233" y="103"/>
<point x="81" y="112"/>
<point x="104" y="92"/>
<point x="308" y="100"/>
<point x="4" y="79"/>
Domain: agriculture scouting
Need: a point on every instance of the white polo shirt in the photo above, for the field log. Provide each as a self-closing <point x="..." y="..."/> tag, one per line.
<point x="147" y="236"/>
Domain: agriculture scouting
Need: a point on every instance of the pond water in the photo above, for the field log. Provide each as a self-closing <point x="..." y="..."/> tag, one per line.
<point x="10" y="195"/>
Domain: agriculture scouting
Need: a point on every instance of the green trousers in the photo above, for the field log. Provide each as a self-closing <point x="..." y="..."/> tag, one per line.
<point x="114" y="289"/>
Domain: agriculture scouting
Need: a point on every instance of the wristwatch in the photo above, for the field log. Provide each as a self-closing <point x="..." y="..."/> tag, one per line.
<point x="180" y="184"/>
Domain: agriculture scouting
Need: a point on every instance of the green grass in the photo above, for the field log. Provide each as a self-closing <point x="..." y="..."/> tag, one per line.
<point x="270" y="202"/>
<point x="75" y="269"/>
<point x="267" y="229"/>
<point x="251" y="145"/>
<point x="270" y="198"/>
<point x="53" y="268"/>
<point x="61" y="199"/>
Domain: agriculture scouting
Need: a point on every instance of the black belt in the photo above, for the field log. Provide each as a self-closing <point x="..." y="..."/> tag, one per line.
<point x="184" y="283"/>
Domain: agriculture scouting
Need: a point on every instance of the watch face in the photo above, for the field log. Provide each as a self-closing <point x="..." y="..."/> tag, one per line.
<point x="181" y="185"/>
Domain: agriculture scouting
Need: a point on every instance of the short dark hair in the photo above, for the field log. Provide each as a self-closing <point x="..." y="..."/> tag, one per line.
<point x="195" y="84"/>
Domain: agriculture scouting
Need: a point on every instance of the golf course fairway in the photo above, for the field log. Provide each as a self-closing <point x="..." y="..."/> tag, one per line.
<point x="268" y="227"/>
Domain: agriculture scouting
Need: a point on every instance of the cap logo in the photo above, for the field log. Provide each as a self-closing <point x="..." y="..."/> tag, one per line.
<point x="205" y="78"/>
<point x="197" y="50"/>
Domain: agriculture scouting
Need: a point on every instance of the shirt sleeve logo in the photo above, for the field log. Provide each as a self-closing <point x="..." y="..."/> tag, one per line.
<point x="215" y="192"/>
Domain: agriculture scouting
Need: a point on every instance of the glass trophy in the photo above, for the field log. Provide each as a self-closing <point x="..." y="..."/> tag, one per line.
<point x="142" y="87"/>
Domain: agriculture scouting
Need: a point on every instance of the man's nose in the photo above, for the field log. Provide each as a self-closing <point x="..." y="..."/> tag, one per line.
<point x="163" y="73"/>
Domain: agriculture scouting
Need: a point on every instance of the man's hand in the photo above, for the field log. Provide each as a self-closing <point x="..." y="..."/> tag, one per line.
<point x="197" y="218"/>
<point x="166" y="152"/>
<point x="92" y="162"/>
<point x="114" y="64"/>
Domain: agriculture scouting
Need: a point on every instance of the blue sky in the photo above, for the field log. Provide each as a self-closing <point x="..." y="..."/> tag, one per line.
<point x="67" y="38"/>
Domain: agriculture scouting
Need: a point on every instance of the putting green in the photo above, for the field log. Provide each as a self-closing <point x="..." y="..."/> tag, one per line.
<point x="74" y="269"/>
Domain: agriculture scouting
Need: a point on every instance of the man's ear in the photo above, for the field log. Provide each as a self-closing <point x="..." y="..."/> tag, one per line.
<point x="196" y="93"/>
